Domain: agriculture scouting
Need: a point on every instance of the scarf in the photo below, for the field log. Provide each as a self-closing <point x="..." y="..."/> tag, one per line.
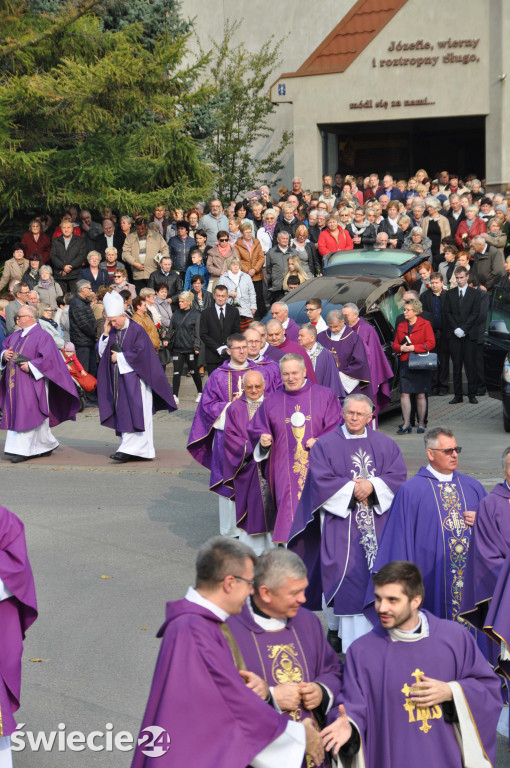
<point x="224" y="249"/>
<point x="46" y="283"/>
<point x="359" y="230"/>
<point x="269" y="229"/>
<point x="236" y="279"/>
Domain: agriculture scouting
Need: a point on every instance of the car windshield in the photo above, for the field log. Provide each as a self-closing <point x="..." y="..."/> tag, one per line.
<point x="382" y="257"/>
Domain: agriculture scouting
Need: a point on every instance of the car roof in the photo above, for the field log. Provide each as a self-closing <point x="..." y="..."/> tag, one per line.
<point x="362" y="291"/>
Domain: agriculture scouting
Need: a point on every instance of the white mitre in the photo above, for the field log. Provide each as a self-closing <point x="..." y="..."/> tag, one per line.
<point x="113" y="304"/>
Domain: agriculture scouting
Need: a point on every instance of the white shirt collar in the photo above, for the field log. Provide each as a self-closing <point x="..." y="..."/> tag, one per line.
<point x="267" y="623"/>
<point x="27" y="330"/>
<point x="286" y="323"/>
<point x="352" y="437"/>
<point x="439" y="475"/>
<point x="338" y="336"/>
<point x="195" y="597"/>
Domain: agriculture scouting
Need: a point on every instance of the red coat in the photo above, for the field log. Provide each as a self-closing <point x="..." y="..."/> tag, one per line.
<point x="477" y="228"/>
<point x="42" y="246"/>
<point x="421" y="335"/>
<point x="328" y="244"/>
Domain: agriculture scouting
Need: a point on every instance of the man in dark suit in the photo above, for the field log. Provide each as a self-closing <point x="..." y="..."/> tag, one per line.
<point x="216" y="324"/>
<point x="462" y="316"/>
<point x="68" y="254"/>
<point x="485" y="300"/>
<point x="110" y="237"/>
<point x="433" y="300"/>
<point x="455" y="213"/>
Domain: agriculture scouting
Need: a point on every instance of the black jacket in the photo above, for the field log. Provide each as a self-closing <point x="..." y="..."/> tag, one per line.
<point x="118" y="241"/>
<point x="75" y="255"/>
<point x="399" y="235"/>
<point x="286" y="226"/>
<point x="172" y="281"/>
<point x="426" y="299"/>
<point x="368" y="236"/>
<point x="82" y="323"/>
<point x="211" y="333"/>
<point x="454" y="223"/>
<point x="187" y="328"/>
<point x="465" y="314"/>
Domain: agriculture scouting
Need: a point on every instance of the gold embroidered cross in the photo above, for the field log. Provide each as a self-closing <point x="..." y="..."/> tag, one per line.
<point x="416" y="713"/>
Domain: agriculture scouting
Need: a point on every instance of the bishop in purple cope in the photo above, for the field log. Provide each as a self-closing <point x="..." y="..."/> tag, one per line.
<point x="430" y="523"/>
<point x="284" y="429"/>
<point x="381" y="372"/>
<point x="36" y="389"/>
<point x="18" y="611"/>
<point x="488" y="549"/>
<point x="417" y="691"/>
<point x="284" y="643"/>
<point x="349" y="353"/>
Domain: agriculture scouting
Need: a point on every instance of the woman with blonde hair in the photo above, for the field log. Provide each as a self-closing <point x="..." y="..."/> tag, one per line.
<point x="293" y="268"/>
<point x="306" y="250"/>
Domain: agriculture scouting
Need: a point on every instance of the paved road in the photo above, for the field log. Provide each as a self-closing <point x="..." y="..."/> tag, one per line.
<point x="111" y="544"/>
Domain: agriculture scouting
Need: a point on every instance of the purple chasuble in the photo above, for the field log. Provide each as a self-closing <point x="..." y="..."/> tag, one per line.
<point x="255" y="512"/>
<point x="205" y="443"/>
<point x="271" y="373"/>
<point x="426" y="526"/>
<point x="339" y="559"/>
<point x="327" y="373"/>
<point x="292" y="418"/>
<point x="23" y="400"/>
<point x="17" y="613"/>
<point x="378" y="677"/>
<point x="381" y="372"/>
<point x="489" y="546"/>
<point x="199" y="697"/>
<point x="350" y="358"/>
<point x="298" y="653"/>
<point x="288" y="347"/>
<point x="273" y="353"/>
<point x="497" y="623"/>
<point x="119" y="395"/>
<point x="292" y="331"/>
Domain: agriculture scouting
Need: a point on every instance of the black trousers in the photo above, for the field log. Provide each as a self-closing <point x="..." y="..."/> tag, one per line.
<point x="87" y="357"/>
<point x="259" y="295"/>
<point x="463" y="352"/>
<point x="139" y="284"/>
<point x="440" y="379"/>
<point x="179" y="359"/>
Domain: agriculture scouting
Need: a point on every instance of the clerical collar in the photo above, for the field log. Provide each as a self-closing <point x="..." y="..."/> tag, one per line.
<point x="508" y="486"/>
<point x="439" y="475"/>
<point x="285" y="324"/>
<point x="352" y="437"/>
<point x="411" y="635"/>
<point x="263" y="350"/>
<point x="195" y="597"/>
<point x="337" y="336"/>
<point x="265" y="622"/>
<point x="258" y="400"/>
<point x="27" y="330"/>
<point x="238" y="367"/>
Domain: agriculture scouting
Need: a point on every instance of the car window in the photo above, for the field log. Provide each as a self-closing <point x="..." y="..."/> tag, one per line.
<point x="382" y="257"/>
<point x="392" y="305"/>
<point x="499" y="319"/>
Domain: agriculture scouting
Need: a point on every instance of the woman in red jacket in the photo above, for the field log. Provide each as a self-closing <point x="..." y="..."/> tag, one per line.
<point x="36" y="241"/>
<point x="414" y="334"/>
<point x="334" y="237"/>
<point x="471" y="226"/>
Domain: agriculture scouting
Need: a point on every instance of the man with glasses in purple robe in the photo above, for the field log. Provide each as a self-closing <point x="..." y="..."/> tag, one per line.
<point x="284" y="643"/>
<point x="354" y="474"/>
<point x="210" y="705"/>
<point x="36" y="390"/>
<point x="416" y="689"/>
<point x="430" y="523"/>
<point x="18" y="611"/>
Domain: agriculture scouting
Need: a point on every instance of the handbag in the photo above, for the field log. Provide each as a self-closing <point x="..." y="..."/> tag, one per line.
<point x="421" y="361"/>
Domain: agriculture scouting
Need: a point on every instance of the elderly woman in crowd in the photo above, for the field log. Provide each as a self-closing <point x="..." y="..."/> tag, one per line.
<point x="252" y="258"/>
<point x="307" y="252"/>
<point x="31" y="276"/>
<point x="234" y="230"/>
<point x="265" y="233"/>
<point x="120" y="282"/>
<point x="447" y="267"/>
<point x="162" y="304"/>
<point x="141" y="317"/>
<point x="414" y="334"/>
<point x="36" y="241"/>
<point x="495" y="235"/>
<point x="362" y="232"/>
<point x="416" y="237"/>
<point x="15" y="267"/>
<point x="47" y="289"/>
<point x="334" y="237"/>
<point x="418" y="212"/>
<point x="404" y="224"/>
<point x="471" y="226"/>
<point x="435" y="227"/>
<point x="424" y="271"/>
<point x="241" y="291"/>
<point x="149" y="294"/>
<point x="111" y="261"/>
<point x="46" y="321"/>
<point x="217" y="258"/>
<point x="93" y="273"/>
<point x="390" y="225"/>
<point x="186" y="342"/>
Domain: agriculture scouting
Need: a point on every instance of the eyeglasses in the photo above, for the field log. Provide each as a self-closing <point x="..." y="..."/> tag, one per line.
<point x="246" y="581"/>
<point x="241" y="348"/>
<point x="223" y="240"/>
<point x="448" y="451"/>
<point x="312" y="309"/>
<point x="19" y="317"/>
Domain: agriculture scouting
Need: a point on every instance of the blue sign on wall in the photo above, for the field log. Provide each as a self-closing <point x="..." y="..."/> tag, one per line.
<point x="281" y="89"/>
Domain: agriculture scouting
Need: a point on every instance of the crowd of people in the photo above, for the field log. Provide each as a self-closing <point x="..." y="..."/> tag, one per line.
<point x="314" y="501"/>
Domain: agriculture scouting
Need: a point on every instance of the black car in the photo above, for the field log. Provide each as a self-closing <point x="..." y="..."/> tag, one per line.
<point x="497" y="350"/>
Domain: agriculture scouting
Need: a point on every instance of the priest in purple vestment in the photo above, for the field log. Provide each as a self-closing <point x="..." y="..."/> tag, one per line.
<point x="284" y="643"/>
<point x="488" y="549"/>
<point x="255" y="511"/>
<point x="322" y="360"/>
<point x="36" y="389"/>
<point x="208" y="704"/>
<point x="349" y="353"/>
<point x="354" y="474"/>
<point x="277" y="339"/>
<point x="18" y="611"/>
<point x="430" y="523"/>
<point x="417" y="691"/>
<point x="267" y="350"/>
<point x="131" y="383"/>
<point x="206" y="438"/>
<point x="280" y="311"/>
<point x="284" y="429"/>
<point x="270" y="367"/>
<point x="497" y="622"/>
<point x="381" y="372"/>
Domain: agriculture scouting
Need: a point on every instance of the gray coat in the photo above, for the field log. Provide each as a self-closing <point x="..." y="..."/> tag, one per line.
<point x="49" y="295"/>
<point x="276" y="266"/>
